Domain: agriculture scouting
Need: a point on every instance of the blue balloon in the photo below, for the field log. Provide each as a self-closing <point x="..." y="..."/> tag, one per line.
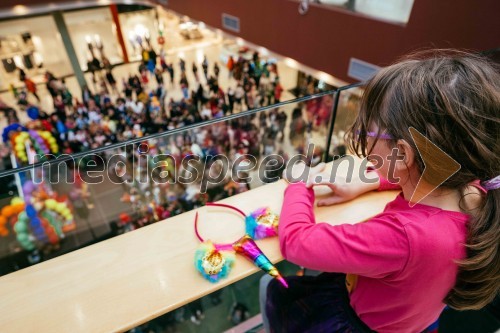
<point x="11" y="127"/>
<point x="36" y="224"/>
<point x="33" y="112"/>
<point x="31" y="212"/>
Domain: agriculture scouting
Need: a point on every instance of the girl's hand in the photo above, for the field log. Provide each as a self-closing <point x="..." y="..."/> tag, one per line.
<point x="342" y="190"/>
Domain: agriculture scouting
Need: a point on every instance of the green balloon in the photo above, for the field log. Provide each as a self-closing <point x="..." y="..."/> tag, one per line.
<point x="20" y="227"/>
<point x="22" y="238"/>
<point x="22" y="216"/>
<point x="27" y="245"/>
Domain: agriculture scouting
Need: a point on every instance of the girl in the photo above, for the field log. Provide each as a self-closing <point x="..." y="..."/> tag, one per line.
<point x="404" y="265"/>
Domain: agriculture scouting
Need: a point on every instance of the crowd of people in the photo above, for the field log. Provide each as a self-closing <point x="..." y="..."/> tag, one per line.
<point x="105" y="115"/>
<point x="142" y="106"/>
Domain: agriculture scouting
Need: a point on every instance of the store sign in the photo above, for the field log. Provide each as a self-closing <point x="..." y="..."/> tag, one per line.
<point x="230" y="22"/>
<point x="361" y="70"/>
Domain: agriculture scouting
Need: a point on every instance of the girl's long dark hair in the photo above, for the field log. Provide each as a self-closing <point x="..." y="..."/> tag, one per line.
<point x="453" y="98"/>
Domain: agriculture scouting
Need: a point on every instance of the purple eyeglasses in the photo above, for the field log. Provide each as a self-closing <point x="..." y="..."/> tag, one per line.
<point x="377" y="135"/>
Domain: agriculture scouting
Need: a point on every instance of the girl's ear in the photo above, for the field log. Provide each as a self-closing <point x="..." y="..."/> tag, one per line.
<point x="405" y="155"/>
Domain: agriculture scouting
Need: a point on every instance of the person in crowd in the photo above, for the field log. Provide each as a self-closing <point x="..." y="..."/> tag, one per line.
<point x="153" y="58"/>
<point x="145" y="57"/>
<point x="170" y="70"/>
<point x="239" y="93"/>
<point x="50" y="82"/>
<point x="230" y="99"/>
<point x="66" y="95"/>
<point x="87" y="95"/>
<point x="108" y="74"/>
<point x="94" y="66"/>
<point x="444" y="242"/>
<point x="278" y="90"/>
<point x="297" y="127"/>
<point x="195" y="72"/>
<point x="22" y="74"/>
<point x="31" y="87"/>
<point x="184" y="83"/>
<point x="230" y="65"/>
<point x="216" y="70"/>
<point x="182" y="65"/>
<point x="158" y="76"/>
<point x="144" y="76"/>
<point x="281" y="119"/>
<point x="13" y="91"/>
<point x="204" y="65"/>
<point x="163" y="59"/>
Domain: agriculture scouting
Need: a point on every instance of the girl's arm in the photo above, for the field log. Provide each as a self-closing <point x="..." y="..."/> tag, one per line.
<point x="375" y="248"/>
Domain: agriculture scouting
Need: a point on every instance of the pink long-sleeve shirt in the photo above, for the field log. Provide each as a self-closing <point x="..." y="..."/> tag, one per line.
<point x="404" y="257"/>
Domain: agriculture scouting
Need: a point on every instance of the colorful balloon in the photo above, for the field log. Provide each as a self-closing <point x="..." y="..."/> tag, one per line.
<point x="31" y="211"/>
<point x="7" y="211"/>
<point x="21" y="227"/>
<point x="16" y="200"/>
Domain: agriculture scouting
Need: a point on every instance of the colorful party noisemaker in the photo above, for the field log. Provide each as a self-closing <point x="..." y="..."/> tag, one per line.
<point x="247" y="247"/>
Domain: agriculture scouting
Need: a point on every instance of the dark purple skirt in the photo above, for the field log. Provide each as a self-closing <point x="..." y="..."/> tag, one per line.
<point x="312" y="304"/>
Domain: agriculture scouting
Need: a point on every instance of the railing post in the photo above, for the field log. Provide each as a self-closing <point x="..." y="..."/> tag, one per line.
<point x="332" y="124"/>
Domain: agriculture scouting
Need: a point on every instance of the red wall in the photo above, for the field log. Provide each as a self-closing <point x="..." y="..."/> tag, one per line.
<point x="326" y="38"/>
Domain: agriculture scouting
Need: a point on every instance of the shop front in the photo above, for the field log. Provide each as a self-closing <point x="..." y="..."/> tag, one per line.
<point x="98" y="37"/>
<point x="140" y="31"/>
<point x="94" y="36"/>
<point x="28" y="45"/>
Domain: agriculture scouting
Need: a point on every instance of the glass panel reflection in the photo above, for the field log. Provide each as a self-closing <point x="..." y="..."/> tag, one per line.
<point x="347" y="111"/>
<point x="77" y="200"/>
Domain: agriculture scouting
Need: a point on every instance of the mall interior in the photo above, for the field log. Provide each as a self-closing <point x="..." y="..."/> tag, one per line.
<point x="140" y="137"/>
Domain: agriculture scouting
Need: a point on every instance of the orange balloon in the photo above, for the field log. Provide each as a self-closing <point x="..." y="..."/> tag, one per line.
<point x="3" y="220"/>
<point x="18" y="207"/>
<point x="8" y="211"/>
<point x="4" y="232"/>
